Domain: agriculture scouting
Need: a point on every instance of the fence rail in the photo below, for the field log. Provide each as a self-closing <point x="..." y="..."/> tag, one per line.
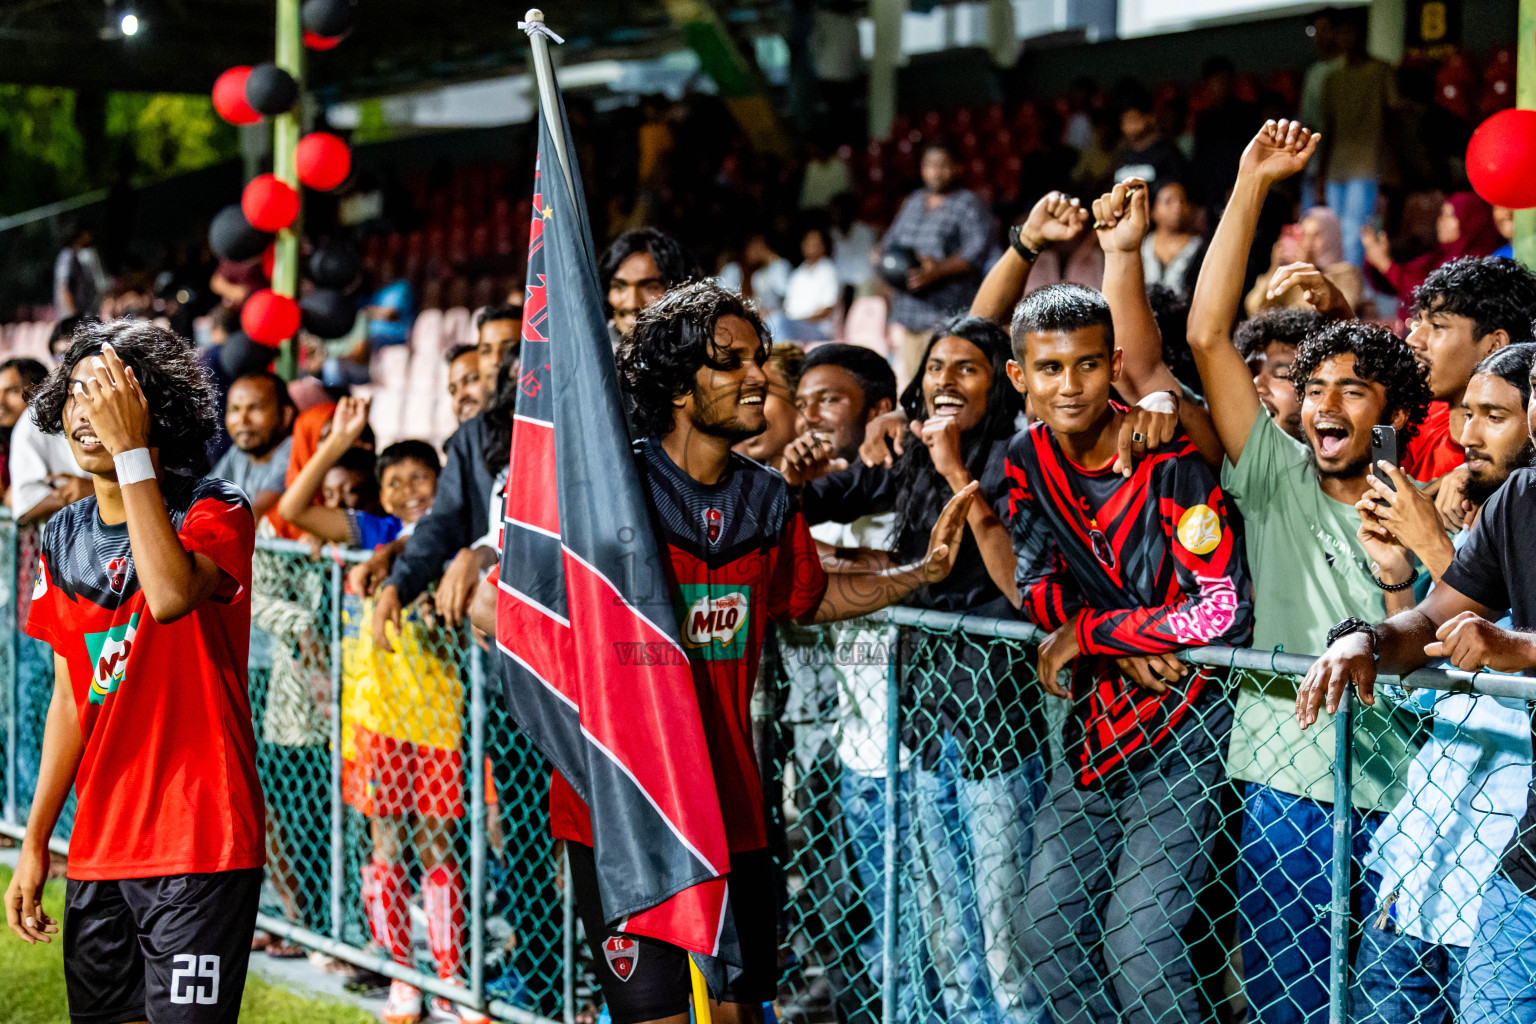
<point x="910" y="766"/>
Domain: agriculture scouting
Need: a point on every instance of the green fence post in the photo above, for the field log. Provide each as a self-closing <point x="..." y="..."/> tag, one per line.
<point x="892" y="822"/>
<point x="568" y="938"/>
<point x="338" y="824"/>
<point x="12" y="680"/>
<point x="476" y="824"/>
<point x="1343" y="847"/>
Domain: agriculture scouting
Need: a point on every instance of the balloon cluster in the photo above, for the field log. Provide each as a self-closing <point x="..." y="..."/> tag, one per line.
<point x="245" y="95"/>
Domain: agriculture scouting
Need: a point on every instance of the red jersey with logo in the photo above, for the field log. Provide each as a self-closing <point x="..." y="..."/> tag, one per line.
<point x="739" y="556"/>
<point x="167" y="782"/>
<point x="1145" y="565"/>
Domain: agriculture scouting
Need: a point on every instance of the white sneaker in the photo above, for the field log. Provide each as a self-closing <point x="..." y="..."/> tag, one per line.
<point x="404" y="1005"/>
<point x="443" y="1010"/>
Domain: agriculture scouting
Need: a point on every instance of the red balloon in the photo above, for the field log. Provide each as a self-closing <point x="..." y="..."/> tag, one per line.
<point x="323" y="161"/>
<point x="229" y="97"/>
<point x="270" y="318"/>
<point x="269" y="203"/>
<point x="268" y="261"/>
<point x="315" y="42"/>
<point x="1501" y="159"/>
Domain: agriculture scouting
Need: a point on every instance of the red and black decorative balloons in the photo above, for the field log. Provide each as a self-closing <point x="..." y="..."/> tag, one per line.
<point x="323" y="161"/>
<point x="270" y="90"/>
<point x="234" y="238"/>
<point x="1501" y="159"/>
<point x="229" y="97"/>
<point x="269" y="204"/>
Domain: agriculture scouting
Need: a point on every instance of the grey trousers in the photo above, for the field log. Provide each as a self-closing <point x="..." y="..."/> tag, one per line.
<point x="1113" y="879"/>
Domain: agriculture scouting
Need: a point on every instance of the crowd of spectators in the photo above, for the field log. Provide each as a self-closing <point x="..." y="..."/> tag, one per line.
<point x="1170" y="414"/>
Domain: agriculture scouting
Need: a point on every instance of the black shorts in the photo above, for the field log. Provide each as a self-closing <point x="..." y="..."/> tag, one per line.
<point x="167" y="949"/>
<point x="644" y="979"/>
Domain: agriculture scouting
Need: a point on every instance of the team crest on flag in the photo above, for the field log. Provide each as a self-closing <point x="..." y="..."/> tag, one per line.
<point x="622" y="954"/>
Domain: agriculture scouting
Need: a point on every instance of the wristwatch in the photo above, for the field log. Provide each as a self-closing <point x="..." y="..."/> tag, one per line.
<point x="1356" y="625"/>
<point x="1016" y="241"/>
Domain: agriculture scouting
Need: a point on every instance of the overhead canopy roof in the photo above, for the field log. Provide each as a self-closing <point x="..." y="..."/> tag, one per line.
<point x="183" y="45"/>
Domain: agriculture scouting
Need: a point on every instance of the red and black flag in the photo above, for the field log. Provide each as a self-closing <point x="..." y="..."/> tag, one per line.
<point x="594" y="669"/>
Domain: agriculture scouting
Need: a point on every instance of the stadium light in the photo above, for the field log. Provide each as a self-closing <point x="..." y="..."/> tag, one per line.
<point x="129" y="24"/>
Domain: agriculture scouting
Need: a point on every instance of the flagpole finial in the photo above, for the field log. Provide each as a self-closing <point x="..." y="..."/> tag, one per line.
<point x="533" y="24"/>
<point x="534" y="14"/>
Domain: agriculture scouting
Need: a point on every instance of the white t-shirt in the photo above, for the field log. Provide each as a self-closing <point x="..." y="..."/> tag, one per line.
<point x="812" y="289"/>
<point x="36" y="456"/>
<point x="850" y="253"/>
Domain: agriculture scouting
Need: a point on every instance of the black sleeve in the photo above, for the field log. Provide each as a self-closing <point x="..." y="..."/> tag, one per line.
<point x="1477" y="571"/>
<point x="448" y="525"/>
<point x="995" y="488"/>
<point x="848" y="494"/>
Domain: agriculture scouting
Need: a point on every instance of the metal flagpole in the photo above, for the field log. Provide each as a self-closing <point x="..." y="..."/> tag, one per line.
<point x="539" y="35"/>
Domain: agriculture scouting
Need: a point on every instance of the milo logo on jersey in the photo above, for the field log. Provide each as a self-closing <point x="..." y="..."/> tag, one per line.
<point x="109" y="652"/>
<point x="715" y="620"/>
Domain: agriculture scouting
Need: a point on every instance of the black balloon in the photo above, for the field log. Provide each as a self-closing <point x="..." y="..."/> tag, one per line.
<point x="270" y="90"/>
<point x="231" y="236"/>
<point x="327" y="313"/>
<point x="239" y="355"/>
<point x="894" y="263"/>
<point x="328" y="18"/>
<point x="334" y="265"/>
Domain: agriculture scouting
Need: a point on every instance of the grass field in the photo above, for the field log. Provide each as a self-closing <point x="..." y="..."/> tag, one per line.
<point x="32" y="991"/>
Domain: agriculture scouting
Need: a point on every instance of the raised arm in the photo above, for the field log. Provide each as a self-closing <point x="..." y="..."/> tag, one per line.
<point x="1279" y="150"/>
<point x="297" y="505"/>
<point x="1121" y="220"/>
<point x="852" y="594"/>
<point x="1055" y="217"/>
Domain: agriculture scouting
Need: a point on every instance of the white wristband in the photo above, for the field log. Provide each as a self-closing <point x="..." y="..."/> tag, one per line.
<point x="133" y="466"/>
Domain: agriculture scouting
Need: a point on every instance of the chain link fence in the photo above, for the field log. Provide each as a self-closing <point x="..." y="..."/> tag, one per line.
<point x="1042" y="860"/>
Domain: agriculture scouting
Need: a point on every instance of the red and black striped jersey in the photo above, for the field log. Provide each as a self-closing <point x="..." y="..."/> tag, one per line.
<point x="1148" y="564"/>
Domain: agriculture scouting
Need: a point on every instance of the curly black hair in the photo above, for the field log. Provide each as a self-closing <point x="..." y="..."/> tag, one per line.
<point x="920" y="491"/>
<point x="674" y="263"/>
<point x="1492" y="291"/>
<point x="660" y="360"/>
<point x="183" y="406"/>
<point x="497" y="414"/>
<point x="408" y="451"/>
<point x="1285" y="326"/>
<point x="1380" y="356"/>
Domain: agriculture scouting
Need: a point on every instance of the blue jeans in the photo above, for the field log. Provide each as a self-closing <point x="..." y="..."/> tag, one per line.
<point x="1499" y="986"/>
<point x="1284" y="896"/>
<point x="863" y="800"/>
<point x="1403" y="980"/>
<point x="975" y="836"/>
<point x="1355" y="203"/>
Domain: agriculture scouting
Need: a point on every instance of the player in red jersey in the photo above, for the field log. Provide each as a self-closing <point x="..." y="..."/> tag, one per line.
<point x="143" y="593"/>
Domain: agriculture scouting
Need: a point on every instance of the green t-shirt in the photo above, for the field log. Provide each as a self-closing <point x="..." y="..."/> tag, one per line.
<point x="1309" y="572"/>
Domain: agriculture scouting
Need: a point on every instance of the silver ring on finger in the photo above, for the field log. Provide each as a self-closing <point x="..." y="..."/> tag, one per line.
<point x="1137" y="437"/>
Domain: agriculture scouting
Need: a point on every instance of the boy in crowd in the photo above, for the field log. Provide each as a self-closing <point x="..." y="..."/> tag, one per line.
<point x="1490" y="575"/>
<point x="1464" y="311"/>
<point x="1118" y="567"/>
<point x="842" y="388"/>
<point x="259" y="417"/>
<point x="402" y="719"/>
<point x="1439" y="846"/>
<point x="1268" y="342"/>
<point x="465" y="390"/>
<point x="143" y="592"/>
<point x="1309" y="569"/>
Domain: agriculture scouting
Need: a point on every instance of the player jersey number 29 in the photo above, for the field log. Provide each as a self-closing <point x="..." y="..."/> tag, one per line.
<point x="188" y="974"/>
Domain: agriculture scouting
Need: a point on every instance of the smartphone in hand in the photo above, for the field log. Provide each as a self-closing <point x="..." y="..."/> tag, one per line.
<point x="1384" y="448"/>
